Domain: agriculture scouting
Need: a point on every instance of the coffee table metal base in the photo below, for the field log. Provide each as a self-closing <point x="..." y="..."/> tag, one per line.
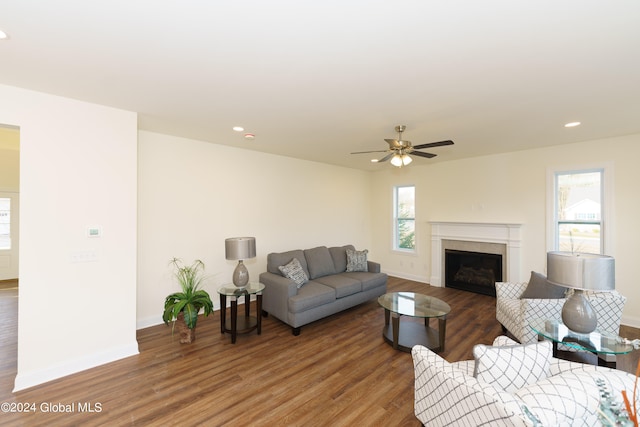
<point x="404" y="337"/>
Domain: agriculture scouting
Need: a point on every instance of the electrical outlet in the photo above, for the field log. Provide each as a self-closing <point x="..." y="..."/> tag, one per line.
<point x="83" y="256"/>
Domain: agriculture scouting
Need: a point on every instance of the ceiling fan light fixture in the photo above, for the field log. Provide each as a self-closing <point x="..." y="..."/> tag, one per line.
<point x="396" y="160"/>
<point x="406" y="159"/>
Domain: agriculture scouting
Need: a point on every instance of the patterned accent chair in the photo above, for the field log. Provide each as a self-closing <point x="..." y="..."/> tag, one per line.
<point x="515" y="314"/>
<point x="561" y="393"/>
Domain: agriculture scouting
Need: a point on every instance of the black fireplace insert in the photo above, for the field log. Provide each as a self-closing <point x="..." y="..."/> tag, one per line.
<point x="472" y="271"/>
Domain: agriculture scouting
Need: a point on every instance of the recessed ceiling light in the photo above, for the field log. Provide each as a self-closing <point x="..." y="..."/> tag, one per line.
<point x="3" y="35"/>
<point x="238" y="128"/>
<point x="249" y="136"/>
<point x="374" y="160"/>
<point x="572" y="124"/>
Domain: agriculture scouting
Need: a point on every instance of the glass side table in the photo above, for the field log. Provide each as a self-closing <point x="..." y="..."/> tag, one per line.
<point x="598" y="343"/>
<point x="240" y="324"/>
<point x="411" y="304"/>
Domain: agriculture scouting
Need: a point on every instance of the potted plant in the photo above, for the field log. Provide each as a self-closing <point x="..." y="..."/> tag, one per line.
<point x="183" y="307"/>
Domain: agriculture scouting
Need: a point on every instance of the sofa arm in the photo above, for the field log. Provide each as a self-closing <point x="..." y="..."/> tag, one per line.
<point x="510" y="290"/>
<point x="534" y="309"/>
<point x="277" y="291"/>
<point x="373" y="267"/>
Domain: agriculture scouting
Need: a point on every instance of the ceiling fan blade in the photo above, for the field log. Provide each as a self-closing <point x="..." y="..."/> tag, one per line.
<point x="393" y="143"/>
<point x="375" y="151"/>
<point x="433" y="144"/>
<point x="421" y="154"/>
<point x="387" y="157"/>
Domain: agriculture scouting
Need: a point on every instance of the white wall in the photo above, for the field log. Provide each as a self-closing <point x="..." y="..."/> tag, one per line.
<point x="511" y="188"/>
<point x="194" y="194"/>
<point x="77" y="169"/>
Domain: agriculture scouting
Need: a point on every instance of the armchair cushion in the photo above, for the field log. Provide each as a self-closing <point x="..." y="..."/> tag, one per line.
<point x="540" y="288"/>
<point x="514" y="366"/>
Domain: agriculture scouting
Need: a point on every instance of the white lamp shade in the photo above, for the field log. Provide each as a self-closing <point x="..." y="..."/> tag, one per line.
<point x="592" y="272"/>
<point x="396" y="160"/>
<point x="240" y="248"/>
<point x="406" y="159"/>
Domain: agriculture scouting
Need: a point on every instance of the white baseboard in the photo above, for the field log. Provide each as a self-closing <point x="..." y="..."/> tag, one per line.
<point x="148" y="322"/>
<point x="157" y="320"/>
<point x="632" y="321"/>
<point x="29" y="379"/>
<point x="404" y="275"/>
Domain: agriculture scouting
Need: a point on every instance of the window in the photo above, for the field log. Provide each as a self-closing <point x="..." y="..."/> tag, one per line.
<point x="404" y="218"/>
<point x="578" y="211"/>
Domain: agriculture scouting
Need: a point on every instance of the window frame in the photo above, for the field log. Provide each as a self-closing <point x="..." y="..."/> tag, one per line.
<point x="606" y="197"/>
<point x="397" y="219"/>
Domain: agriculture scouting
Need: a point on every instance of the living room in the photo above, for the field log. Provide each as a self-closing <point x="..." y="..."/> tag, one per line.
<point x="156" y="196"/>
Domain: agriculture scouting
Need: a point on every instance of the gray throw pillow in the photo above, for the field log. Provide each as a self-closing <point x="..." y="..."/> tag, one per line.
<point x="540" y="288"/>
<point x="357" y="260"/>
<point x="293" y="270"/>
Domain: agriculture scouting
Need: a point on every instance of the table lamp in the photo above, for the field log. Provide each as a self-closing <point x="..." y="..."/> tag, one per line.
<point x="582" y="272"/>
<point x="240" y="248"/>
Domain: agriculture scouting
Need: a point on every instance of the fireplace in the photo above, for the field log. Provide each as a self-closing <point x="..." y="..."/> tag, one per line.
<point x="502" y="239"/>
<point x="472" y="271"/>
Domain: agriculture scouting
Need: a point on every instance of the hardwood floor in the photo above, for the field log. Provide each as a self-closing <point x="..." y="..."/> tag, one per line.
<point x="338" y="372"/>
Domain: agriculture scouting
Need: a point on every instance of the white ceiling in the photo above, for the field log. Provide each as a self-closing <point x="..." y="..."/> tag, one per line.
<point x="317" y="80"/>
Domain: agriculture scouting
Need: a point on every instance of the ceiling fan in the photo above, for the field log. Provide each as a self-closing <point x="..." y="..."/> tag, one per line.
<point x="399" y="151"/>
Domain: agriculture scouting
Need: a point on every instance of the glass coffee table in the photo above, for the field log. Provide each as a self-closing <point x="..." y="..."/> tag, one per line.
<point x="398" y="304"/>
<point x="598" y="343"/>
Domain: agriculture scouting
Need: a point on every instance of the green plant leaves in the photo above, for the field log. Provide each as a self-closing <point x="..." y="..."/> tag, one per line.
<point x="192" y="299"/>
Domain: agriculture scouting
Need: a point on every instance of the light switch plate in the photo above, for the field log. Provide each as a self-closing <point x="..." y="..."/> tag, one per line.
<point x="94" y="232"/>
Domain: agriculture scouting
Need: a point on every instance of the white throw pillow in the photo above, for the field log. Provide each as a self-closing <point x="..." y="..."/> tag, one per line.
<point x="565" y="399"/>
<point x="512" y="367"/>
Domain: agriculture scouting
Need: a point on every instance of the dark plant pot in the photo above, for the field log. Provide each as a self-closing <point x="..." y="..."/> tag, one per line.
<point x="187" y="336"/>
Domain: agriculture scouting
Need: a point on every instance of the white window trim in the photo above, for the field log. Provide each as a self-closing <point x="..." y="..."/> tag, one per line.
<point x="394" y="227"/>
<point x="607" y="229"/>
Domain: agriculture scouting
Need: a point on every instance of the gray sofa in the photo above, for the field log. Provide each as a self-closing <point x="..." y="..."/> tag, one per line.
<point x="330" y="287"/>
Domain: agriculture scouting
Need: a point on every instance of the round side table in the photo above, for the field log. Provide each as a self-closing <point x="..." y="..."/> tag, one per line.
<point x="240" y="324"/>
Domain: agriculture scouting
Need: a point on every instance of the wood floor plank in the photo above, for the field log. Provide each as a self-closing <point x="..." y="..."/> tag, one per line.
<point x="338" y="372"/>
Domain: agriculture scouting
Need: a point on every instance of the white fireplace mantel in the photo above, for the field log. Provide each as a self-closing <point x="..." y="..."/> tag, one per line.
<point x="501" y="233"/>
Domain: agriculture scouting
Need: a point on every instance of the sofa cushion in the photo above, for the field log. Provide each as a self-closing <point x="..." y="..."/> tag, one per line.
<point x="357" y="260"/>
<point x="275" y="260"/>
<point x="293" y="270"/>
<point x="319" y="262"/>
<point x="540" y="288"/>
<point x="311" y="295"/>
<point x="512" y="367"/>
<point x="339" y="256"/>
<point x="368" y="280"/>
<point x="342" y="284"/>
